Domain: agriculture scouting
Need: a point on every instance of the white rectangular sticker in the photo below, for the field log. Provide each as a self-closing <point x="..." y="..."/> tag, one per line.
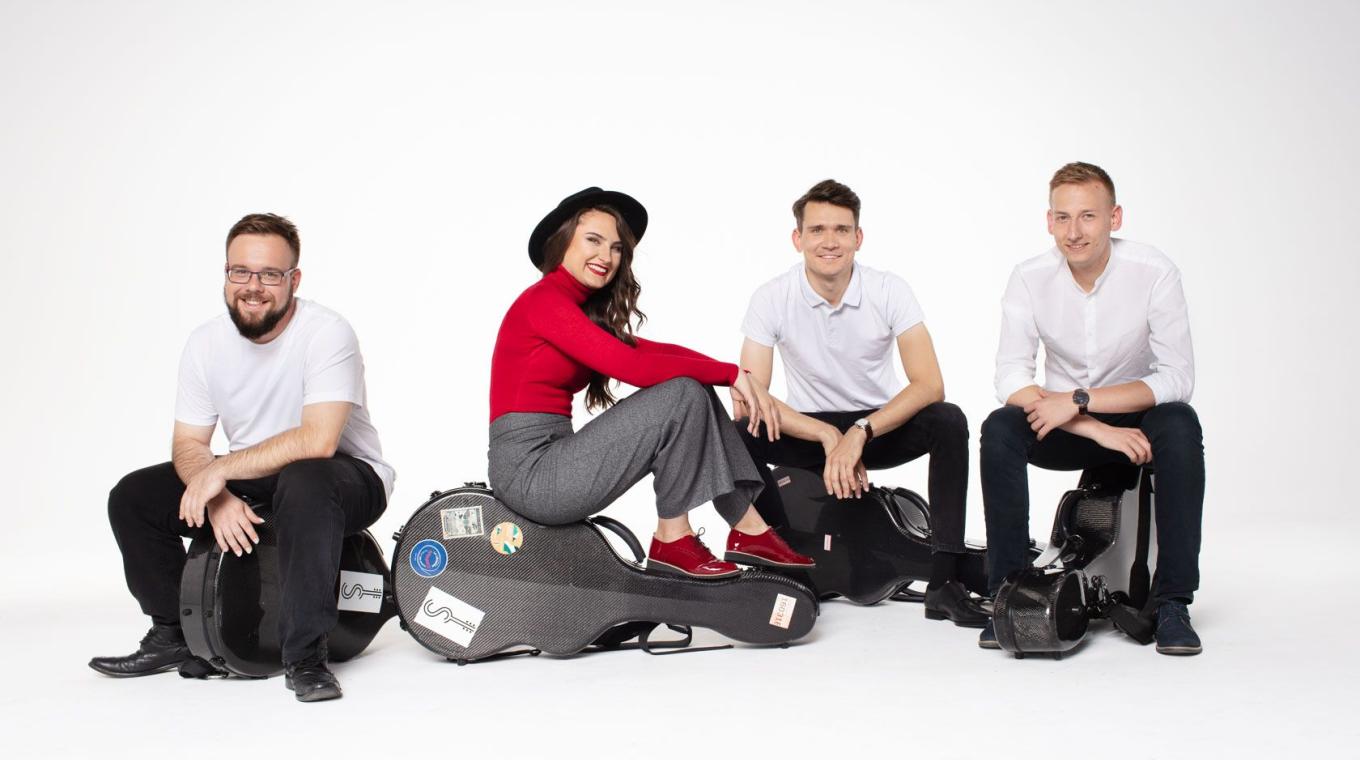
<point x="787" y="479"/>
<point x="826" y="545"/>
<point x="461" y="521"/>
<point x="449" y="617"/>
<point x="783" y="610"/>
<point x="360" y="592"/>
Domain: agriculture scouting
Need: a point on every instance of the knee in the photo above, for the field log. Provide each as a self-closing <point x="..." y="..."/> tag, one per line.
<point x="1005" y="429"/>
<point x="686" y="393"/>
<point x="1173" y="425"/>
<point x="127" y="495"/>
<point x="947" y="421"/>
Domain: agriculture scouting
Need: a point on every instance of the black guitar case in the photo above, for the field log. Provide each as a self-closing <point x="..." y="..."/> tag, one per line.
<point x="867" y="549"/>
<point x="474" y="580"/>
<point x="229" y="605"/>
<point x="1096" y="566"/>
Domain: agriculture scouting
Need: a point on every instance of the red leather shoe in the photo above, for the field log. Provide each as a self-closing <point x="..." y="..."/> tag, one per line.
<point x="766" y="549"/>
<point x="688" y="557"/>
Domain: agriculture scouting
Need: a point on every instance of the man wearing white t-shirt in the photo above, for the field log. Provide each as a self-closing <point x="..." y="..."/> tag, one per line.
<point x="285" y="379"/>
<point x="1119" y="369"/>
<point x="835" y="322"/>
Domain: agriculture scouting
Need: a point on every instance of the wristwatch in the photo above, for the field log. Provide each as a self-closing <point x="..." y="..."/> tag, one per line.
<point x="863" y="424"/>
<point x="1081" y="398"/>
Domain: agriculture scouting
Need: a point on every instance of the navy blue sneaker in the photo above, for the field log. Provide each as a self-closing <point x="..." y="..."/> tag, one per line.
<point x="1174" y="634"/>
<point x="987" y="639"/>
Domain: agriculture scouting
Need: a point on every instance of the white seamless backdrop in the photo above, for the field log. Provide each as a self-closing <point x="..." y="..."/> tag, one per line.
<point x="415" y="144"/>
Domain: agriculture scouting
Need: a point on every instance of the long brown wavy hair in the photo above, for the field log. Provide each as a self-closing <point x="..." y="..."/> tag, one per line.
<point x="613" y="307"/>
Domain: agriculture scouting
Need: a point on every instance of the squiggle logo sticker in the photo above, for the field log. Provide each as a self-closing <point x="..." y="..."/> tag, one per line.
<point x="507" y="538"/>
<point x="360" y="592"/>
<point x="429" y="558"/>
<point x="449" y="616"/>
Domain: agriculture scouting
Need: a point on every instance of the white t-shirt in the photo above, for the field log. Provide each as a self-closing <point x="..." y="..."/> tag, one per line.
<point x="1133" y="325"/>
<point x="835" y="359"/>
<point x="258" y="390"/>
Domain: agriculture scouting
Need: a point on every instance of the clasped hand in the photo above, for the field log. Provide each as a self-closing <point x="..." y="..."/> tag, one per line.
<point x="844" y="473"/>
<point x="232" y="520"/>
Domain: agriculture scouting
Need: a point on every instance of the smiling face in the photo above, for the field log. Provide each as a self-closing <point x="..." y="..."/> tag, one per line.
<point x="828" y="239"/>
<point x="596" y="250"/>
<point x="260" y="312"/>
<point x="1080" y="219"/>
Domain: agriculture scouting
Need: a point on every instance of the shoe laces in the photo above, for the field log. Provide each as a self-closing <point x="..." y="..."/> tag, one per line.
<point x="698" y="539"/>
<point x="162" y="635"/>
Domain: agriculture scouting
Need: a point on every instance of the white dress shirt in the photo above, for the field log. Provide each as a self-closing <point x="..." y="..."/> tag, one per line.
<point x="1133" y="325"/>
<point x="836" y="359"/>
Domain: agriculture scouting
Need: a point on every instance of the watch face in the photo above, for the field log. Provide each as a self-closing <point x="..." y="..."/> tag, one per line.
<point x="1081" y="397"/>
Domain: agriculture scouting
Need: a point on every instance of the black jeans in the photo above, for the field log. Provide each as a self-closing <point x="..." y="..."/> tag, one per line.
<point x="1009" y="446"/>
<point x="315" y="504"/>
<point x="940" y="430"/>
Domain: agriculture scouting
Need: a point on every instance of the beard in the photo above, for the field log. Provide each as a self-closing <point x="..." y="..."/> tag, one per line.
<point x="261" y="326"/>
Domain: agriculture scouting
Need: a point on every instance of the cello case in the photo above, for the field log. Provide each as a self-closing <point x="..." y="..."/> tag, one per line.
<point x="229" y="605"/>
<point x="868" y="549"/>
<point x="1097" y="565"/>
<point x="475" y="580"/>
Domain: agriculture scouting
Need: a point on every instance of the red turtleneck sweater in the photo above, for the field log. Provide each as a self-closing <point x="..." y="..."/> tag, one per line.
<point x="548" y="348"/>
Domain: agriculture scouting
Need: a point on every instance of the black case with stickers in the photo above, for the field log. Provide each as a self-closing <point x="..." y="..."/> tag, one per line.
<point x="867" y="549"/>
<point x="474" y="580"/>
<point x="229" y="605"/>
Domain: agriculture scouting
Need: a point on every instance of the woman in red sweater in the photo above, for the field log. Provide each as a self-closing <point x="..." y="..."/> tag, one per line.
<point x="573" y="330"/>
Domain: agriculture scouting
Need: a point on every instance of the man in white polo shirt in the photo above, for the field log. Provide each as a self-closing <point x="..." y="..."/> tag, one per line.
<point x="835" y="322"/>
<point x="285" y="379"/>
<point x="1119" y="369"/>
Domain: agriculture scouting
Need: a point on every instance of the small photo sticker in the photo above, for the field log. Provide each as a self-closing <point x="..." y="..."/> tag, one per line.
<point x="507" y="538"/>
<point x="782" y="614"/>
<point x="459" y="522"/>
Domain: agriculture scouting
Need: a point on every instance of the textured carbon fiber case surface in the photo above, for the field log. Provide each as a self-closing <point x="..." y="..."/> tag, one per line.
<point x="474" y="579"/>
<point x="1041" y="611"/>
<point x="866" y="549"/>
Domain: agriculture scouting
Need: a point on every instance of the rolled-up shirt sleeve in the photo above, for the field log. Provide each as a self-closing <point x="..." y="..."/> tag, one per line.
<point x="1015" y="354"/>
<point x="1173" y="369"/>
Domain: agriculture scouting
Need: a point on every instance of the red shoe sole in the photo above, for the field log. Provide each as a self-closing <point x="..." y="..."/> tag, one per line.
<point x="751" y="559"/>
<point x="657" y="567"/>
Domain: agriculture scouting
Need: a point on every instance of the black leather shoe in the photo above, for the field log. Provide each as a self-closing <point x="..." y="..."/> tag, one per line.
<point x="953" y="602"/>
<point x="161" y="649"/>
<point x="311" y="680"/>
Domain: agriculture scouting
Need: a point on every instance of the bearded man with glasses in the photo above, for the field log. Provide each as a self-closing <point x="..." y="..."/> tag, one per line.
<point x="285" y="378"/>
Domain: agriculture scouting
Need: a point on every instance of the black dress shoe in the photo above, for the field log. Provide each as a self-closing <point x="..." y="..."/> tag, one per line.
<point x="311" y="680"/>
<point x="953" y="602"/>
<point x="161" y="649"/>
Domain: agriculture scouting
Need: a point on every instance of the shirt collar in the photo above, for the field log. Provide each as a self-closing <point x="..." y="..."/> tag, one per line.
<point x="852" y="292"/>
<point x="1105" y="275"/>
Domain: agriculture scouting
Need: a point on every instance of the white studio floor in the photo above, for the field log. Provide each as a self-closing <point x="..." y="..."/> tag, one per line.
<point x="1276" y="678"/>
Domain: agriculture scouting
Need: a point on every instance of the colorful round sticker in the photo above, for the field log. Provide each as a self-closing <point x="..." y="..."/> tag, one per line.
<point x="429" y="558"/>
<point x="506" y="538"/>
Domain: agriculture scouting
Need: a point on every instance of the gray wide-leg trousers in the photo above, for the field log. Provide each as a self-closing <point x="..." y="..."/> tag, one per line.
<point x="678" y="431"/>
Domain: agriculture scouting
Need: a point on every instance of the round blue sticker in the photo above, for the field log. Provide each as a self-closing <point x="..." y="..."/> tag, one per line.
<point x="428" y="558"/>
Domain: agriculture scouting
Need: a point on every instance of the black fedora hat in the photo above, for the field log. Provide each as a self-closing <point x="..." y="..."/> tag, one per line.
<point x="633" y="213"/>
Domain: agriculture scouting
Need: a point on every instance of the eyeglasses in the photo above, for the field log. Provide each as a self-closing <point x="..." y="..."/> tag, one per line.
<point x="268" y="277"/>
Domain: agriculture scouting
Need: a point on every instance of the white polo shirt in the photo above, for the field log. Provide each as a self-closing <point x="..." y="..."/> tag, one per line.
<point x="836" y="359"/>
<point x="1133" y="325"/>
<point x="258" y="390"/>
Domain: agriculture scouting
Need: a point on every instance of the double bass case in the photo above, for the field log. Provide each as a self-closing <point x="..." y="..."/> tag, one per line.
<point x="1096" y="566"/>
<point x="867" y="549"/>
<point x="474" y="580"/>
<point x="229" y="605"/>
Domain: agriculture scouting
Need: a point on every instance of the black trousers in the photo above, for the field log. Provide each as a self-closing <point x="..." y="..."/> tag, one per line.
<point x="1009" y="446"/>
<point x="940" y="430"/>
<point x="315" y="504"/>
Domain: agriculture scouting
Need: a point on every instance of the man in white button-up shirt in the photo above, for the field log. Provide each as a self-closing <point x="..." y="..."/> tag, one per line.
<point x="835" y="322"/>
<point x="1118" y="370"/>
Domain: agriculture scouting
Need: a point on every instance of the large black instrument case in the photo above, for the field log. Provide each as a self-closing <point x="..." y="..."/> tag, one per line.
<point x="474" y="580"/>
